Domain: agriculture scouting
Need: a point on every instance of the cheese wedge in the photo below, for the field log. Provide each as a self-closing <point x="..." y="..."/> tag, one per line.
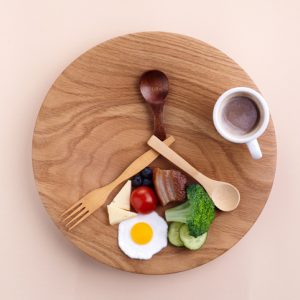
<point x="122" y="199"/>
<point x="117" y="215"/>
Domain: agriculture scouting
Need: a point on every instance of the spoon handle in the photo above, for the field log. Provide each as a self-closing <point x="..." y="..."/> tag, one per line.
<point x="159" y="129"/>
<point x="177" y="160"/>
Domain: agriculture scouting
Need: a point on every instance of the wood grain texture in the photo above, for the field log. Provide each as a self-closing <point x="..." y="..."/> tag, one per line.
<point x="93" y="123"/>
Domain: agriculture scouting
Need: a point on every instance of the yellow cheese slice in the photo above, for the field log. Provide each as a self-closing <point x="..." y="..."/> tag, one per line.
<point x="117" y="215"/>
<point x="122" y="199"/>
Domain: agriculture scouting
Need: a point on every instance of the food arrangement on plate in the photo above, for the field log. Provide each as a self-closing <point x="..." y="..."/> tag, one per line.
<point x="142" y="232"/>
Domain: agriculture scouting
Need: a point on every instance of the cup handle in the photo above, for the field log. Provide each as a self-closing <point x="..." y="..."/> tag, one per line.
<point x="254" y="149"/>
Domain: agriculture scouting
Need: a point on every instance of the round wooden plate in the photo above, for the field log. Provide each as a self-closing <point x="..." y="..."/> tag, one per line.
<point x="93" y="123"/>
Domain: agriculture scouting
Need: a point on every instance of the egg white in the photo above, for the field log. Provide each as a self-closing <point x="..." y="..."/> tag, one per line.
<point x="158" y="242"/>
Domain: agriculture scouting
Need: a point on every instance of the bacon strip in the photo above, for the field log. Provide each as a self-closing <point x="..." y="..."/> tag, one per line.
<point x="169" y="185"/>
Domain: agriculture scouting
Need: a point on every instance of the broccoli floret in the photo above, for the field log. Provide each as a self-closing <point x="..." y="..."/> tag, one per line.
<point x="197" y="212"/>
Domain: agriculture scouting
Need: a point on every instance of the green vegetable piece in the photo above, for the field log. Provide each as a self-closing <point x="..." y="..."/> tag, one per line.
<point x="173" y="234"/>
<point x="189" y="241"/>
<point x="197" y="212"/>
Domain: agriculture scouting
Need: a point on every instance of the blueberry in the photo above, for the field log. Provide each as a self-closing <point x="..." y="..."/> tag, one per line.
<point x="147" y="182"/>
<point x="147" y="173"/>
<point x="137" y="181"/>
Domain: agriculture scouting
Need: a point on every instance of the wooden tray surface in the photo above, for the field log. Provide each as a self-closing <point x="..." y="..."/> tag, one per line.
<point x="93" y="123"/>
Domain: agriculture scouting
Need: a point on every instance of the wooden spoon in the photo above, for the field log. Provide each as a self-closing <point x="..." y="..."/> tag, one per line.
<point x="225" y="196"/>
<point x="154" y="87"/>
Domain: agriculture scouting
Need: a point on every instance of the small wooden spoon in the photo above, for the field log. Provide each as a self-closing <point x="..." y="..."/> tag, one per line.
<point x="154" y="87"/>
<point x="225" y="196"/>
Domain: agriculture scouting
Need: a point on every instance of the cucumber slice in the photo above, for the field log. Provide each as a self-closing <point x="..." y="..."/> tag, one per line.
<point x="173" y="234"/>
<point x="189" y="241"/>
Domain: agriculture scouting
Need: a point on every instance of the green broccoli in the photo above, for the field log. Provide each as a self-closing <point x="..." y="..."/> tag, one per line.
<point x="197" y="212"/>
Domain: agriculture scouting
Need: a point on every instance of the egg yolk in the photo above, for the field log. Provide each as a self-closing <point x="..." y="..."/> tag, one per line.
<point x="141" y="233"/>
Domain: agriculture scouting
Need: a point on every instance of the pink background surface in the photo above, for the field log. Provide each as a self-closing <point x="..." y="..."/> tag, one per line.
<point x="39" y="39"/>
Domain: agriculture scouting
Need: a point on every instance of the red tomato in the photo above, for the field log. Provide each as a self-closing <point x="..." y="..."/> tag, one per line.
<point x="143" y="200"/>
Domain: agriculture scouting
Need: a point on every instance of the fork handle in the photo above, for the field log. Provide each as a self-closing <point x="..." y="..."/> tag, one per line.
<point x="139" y="164"/>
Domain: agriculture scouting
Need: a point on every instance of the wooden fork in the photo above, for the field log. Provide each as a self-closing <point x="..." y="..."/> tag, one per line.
<point x="96" y="198"/>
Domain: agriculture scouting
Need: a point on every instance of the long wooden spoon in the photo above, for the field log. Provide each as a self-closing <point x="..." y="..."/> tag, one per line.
<point x="154" y="87"/>
<point x="225" y="196"/>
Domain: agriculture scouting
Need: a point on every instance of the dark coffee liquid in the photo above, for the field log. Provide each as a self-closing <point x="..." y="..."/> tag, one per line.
<point x="241" y="115"/>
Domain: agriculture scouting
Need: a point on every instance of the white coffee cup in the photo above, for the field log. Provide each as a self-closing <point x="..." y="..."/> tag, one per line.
<point x="249" y="138"/>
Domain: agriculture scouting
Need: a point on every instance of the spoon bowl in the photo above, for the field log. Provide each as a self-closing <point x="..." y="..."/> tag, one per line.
<point x="225" y="196"/>
<point x="154" y="87"/>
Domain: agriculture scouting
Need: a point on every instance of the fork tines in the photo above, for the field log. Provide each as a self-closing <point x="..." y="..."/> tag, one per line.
<point x="75" y="215"/>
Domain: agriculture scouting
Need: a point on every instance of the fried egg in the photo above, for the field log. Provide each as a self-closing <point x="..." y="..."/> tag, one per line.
<point x="143" y="236"/>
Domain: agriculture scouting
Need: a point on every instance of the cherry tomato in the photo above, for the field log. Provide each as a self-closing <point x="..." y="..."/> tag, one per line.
<point x="143" y="200"/>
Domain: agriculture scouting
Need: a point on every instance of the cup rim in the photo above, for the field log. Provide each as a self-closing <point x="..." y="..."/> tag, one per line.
<point x="241" y="139"/>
